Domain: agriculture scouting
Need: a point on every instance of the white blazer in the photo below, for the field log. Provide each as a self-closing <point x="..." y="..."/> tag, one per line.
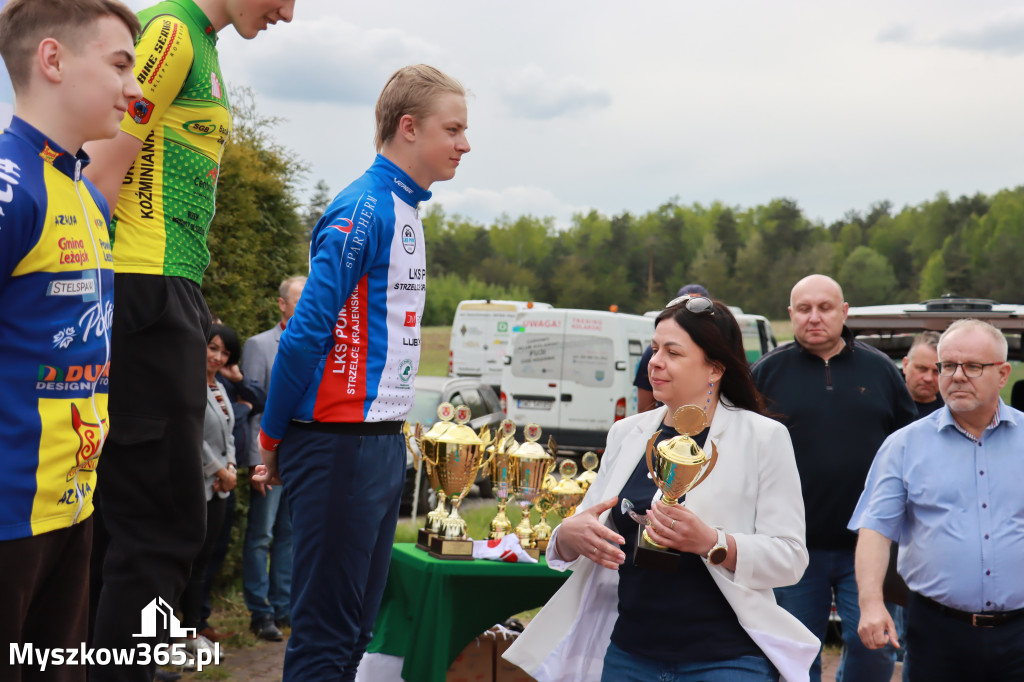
<point x="753" y="493"/>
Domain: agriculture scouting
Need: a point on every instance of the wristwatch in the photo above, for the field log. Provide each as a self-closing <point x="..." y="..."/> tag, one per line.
<point x="717" y="554"/>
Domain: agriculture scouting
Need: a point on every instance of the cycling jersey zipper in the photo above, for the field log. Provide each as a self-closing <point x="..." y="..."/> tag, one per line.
<point x="106" y="332"/>
<point x="828" y="377"/>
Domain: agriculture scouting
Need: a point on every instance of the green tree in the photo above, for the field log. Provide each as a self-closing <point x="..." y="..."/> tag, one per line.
<point x="256" y="235"/>
<point x="317" y="206"/>
<point x="867" y="277"/>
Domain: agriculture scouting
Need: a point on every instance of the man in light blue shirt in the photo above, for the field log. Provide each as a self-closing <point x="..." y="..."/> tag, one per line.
<point x="948" y="489"/>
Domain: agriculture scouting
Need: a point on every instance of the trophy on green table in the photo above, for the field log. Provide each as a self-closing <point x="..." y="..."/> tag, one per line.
<point x="568" y="492"/>
<point x="590" y="461"/>
<point x="456" y="455"/>
<point x="497" y="467"/>
<point x="424" y="442"/>
<point x="530" y="465"/>
<point x="677" y="466"/>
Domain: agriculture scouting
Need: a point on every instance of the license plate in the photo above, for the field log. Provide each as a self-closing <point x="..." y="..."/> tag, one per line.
<point x="535" y="404"/>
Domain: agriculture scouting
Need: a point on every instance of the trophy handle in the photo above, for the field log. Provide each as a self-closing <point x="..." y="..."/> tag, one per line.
<point x="409" y="440"/>
<point x="650" y="449"/>
<point x="492" y="452"/>
<point x="714" y="460"/>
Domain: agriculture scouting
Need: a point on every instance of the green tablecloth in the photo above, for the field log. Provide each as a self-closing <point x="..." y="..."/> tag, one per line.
<point x="432" y="608"/>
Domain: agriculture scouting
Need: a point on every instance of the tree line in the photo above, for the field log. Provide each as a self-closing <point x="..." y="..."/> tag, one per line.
<point x="749" y="257"/>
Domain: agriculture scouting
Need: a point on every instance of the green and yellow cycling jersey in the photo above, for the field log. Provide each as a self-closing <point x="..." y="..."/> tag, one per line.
<point x="168" y="197"/>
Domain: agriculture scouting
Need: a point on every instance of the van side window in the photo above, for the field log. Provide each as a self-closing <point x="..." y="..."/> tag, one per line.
<point x="589" y="360"/>
<point x="537" y="356"/>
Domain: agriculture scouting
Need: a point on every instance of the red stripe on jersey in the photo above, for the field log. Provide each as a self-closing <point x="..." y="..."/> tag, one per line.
<point x="342" y="391"/>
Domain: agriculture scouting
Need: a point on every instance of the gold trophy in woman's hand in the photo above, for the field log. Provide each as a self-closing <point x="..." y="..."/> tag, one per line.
<point x="677" y="466"/>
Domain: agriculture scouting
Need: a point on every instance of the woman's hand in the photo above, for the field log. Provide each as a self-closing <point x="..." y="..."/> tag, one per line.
<point x="677" y="527"/>
<point x="226" y="480"/>
<point x="232" y="373"/>
<point x="583" y="535"/>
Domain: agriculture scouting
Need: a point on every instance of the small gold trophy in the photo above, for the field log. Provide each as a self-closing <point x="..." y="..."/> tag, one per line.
<point x="457" y="456"/>
<point x="677" y="466"/>
<point x="530" y="464"/>
<point x="501" y="476"/>
<point x="568" y="492"/>
<point x="590" y="461"/>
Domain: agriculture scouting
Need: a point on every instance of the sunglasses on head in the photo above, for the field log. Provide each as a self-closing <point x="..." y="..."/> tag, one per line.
<point x="698" y="305"/>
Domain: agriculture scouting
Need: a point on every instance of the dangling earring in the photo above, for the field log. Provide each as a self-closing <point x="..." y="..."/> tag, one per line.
<point x="711" y="386"/>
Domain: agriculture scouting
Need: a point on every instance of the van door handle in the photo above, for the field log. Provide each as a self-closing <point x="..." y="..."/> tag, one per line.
<point x="567" y="397"/>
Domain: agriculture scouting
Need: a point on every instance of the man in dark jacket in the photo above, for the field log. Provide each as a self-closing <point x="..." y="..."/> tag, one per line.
<point x="840" y="399"/>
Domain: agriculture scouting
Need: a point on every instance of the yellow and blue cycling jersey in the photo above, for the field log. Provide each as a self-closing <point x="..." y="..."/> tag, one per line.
<point x="57" y="288"/>
<point x="168" y="197"/>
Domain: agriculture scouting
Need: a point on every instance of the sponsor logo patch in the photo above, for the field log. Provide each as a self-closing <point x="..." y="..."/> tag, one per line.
<point x="408" y="239"/>
<point x="84" y="287"/>
<point x="140" y="110"/>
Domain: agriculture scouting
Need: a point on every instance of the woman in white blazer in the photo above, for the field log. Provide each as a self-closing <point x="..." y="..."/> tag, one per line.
<point x="715" y="616"/>
<point x="222" y="350"/>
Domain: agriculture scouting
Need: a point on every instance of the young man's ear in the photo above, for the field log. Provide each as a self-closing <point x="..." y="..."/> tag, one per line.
<point x="50" y="57"/>
<point x="407" y="128"/>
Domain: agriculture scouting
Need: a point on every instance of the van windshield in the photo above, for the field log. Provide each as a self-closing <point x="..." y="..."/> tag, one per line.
<point x="586" y="360"/>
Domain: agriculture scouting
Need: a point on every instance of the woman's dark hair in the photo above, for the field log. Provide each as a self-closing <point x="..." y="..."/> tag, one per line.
<point x="230" y="339"/>
<point x="721" y="340"/>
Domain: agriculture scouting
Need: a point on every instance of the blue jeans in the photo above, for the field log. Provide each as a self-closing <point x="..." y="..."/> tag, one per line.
<point x="830" y="575"/>
<point x="899" y="616"/>
<point x="268" y="535"/>
<point x="620" y="666"/>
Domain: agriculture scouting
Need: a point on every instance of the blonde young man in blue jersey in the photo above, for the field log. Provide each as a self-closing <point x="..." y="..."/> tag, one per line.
<point x="342" y="382"/>
<point x="70" y="62"/>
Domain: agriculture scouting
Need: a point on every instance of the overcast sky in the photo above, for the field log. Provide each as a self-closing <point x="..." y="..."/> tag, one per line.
<point x="622" y="106"/>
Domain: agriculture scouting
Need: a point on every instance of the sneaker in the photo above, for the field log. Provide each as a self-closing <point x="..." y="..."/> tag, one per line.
<point x="193" y="645"/>
<point x="264" y="628"/>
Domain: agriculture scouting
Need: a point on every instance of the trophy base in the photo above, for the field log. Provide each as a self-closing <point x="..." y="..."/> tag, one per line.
<point x="649" y="556"/>
<point x="542" y="546"/>
<point x="532" y="552"/>
<point x="423" y="539"/>
<point x="460" y="550"/>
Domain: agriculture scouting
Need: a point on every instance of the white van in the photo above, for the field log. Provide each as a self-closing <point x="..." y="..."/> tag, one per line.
<point x="571" y="371"/>
<point x="481" y="337"/>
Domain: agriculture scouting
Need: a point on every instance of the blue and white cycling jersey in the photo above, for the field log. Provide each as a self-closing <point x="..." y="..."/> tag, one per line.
<point x="352" y="349"/>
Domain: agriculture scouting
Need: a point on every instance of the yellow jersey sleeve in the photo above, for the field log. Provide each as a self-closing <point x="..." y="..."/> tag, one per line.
<point x="163" y="58"/>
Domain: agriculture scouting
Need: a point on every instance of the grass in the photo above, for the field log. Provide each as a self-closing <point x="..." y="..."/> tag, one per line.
<point x="434" y="351"/>
<point x="478" y="513"/>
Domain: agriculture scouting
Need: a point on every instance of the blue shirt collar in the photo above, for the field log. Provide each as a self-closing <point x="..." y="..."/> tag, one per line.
<point x="51" y="152"/>
<point x="1003" y="415"/>
<point x="400" y="182"/>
